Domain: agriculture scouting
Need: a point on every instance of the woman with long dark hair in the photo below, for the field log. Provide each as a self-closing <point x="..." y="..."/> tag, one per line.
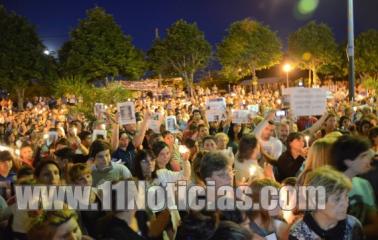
<point x="246" y="166"/>
<point x="290" y="162"/>
<point x="235" y="134"/>
<point x="145" y="165"/>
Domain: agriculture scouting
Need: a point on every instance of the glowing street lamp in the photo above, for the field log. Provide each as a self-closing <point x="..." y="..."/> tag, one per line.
<point x="287" y="68"/>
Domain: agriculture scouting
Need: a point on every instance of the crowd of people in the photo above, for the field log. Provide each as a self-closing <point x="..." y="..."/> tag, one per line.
<point x="46" y="144"/>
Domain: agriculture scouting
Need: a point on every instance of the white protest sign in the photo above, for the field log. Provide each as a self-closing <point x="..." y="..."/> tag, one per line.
<point x="99" y="110"/>
<point x="126" y="112"/>
<point x="170" y="123"/>
<point x="99" y="134"/>
<point x="216" y="109"/>
<point x="240" y="116"/>
<point x="253" y="109"/>
<point x="155" y="122"/>
<point x="307" y="101"/>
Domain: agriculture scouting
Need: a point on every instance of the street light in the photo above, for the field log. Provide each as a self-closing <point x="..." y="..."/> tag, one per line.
<point x="287" y="68"/>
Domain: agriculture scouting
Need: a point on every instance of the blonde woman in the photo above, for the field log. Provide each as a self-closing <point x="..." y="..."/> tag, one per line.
<point x="332" y="221"/>
<point x="318" y="156"/>
<point x="222" y="140"/>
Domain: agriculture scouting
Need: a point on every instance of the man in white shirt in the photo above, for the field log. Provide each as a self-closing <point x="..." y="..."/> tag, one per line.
<point x="264" y="132"/>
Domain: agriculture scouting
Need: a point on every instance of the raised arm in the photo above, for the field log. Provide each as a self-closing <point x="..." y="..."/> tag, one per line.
<point x="259" y="128"/>
<point x="138" y="139"/>
<point x="316" y="126"/>
<point x="186" y="168"/>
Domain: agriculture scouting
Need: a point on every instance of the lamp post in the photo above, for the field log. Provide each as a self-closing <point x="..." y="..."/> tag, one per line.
<point x="287" y="68"/>
<point x="351" y="73"/>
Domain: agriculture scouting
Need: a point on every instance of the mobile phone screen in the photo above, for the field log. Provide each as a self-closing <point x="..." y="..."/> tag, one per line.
<point x="280" y="113"/>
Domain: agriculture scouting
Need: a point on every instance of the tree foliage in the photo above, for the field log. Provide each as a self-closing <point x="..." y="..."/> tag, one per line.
<point x="338" y="68"/>
<point x="21" y="56"/>
<point x="248" y="46"/>
<point x="98" y="49"/>
<point x="366" y="53"/>
<point x="78" y="86"/>
<point x="370" y="82"/>
<point x="182" y="52"/>
<point x="313" y="46"/>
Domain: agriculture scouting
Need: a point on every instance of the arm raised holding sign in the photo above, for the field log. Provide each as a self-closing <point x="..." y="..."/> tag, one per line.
<point x="316" y="126"/>
<point x="138" y="139"/>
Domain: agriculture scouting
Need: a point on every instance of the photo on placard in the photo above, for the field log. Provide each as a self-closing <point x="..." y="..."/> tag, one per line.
<point x="126" y="112"/>
<point x="99" y="108"/>
<point x="170" y="122"/>
<point x="154" y="122"/>
<point x="155" y="117"/>
<point x="52" y="137"/>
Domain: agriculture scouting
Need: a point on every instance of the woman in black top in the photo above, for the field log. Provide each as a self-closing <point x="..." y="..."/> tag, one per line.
<point x="290" y="162"/>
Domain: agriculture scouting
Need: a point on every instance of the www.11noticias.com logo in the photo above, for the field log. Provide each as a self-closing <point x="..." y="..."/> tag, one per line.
<point x="138" y="195"/>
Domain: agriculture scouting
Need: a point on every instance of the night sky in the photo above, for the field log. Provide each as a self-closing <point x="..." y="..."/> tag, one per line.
<point x="139" y="18"/>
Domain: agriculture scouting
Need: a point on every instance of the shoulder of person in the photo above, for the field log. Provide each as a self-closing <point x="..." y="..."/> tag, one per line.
<point x="300" y="230"/>
<point x="363" y="185"/>
<point x="360" y="182"/>
<point x="354" y="228"/>
<point x="118" y="166"/>
<point x="275" y="140"/>
<point x="353" y="221"/>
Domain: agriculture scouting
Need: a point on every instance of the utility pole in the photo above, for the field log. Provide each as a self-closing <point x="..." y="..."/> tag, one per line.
<point x="351" y="70"/>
